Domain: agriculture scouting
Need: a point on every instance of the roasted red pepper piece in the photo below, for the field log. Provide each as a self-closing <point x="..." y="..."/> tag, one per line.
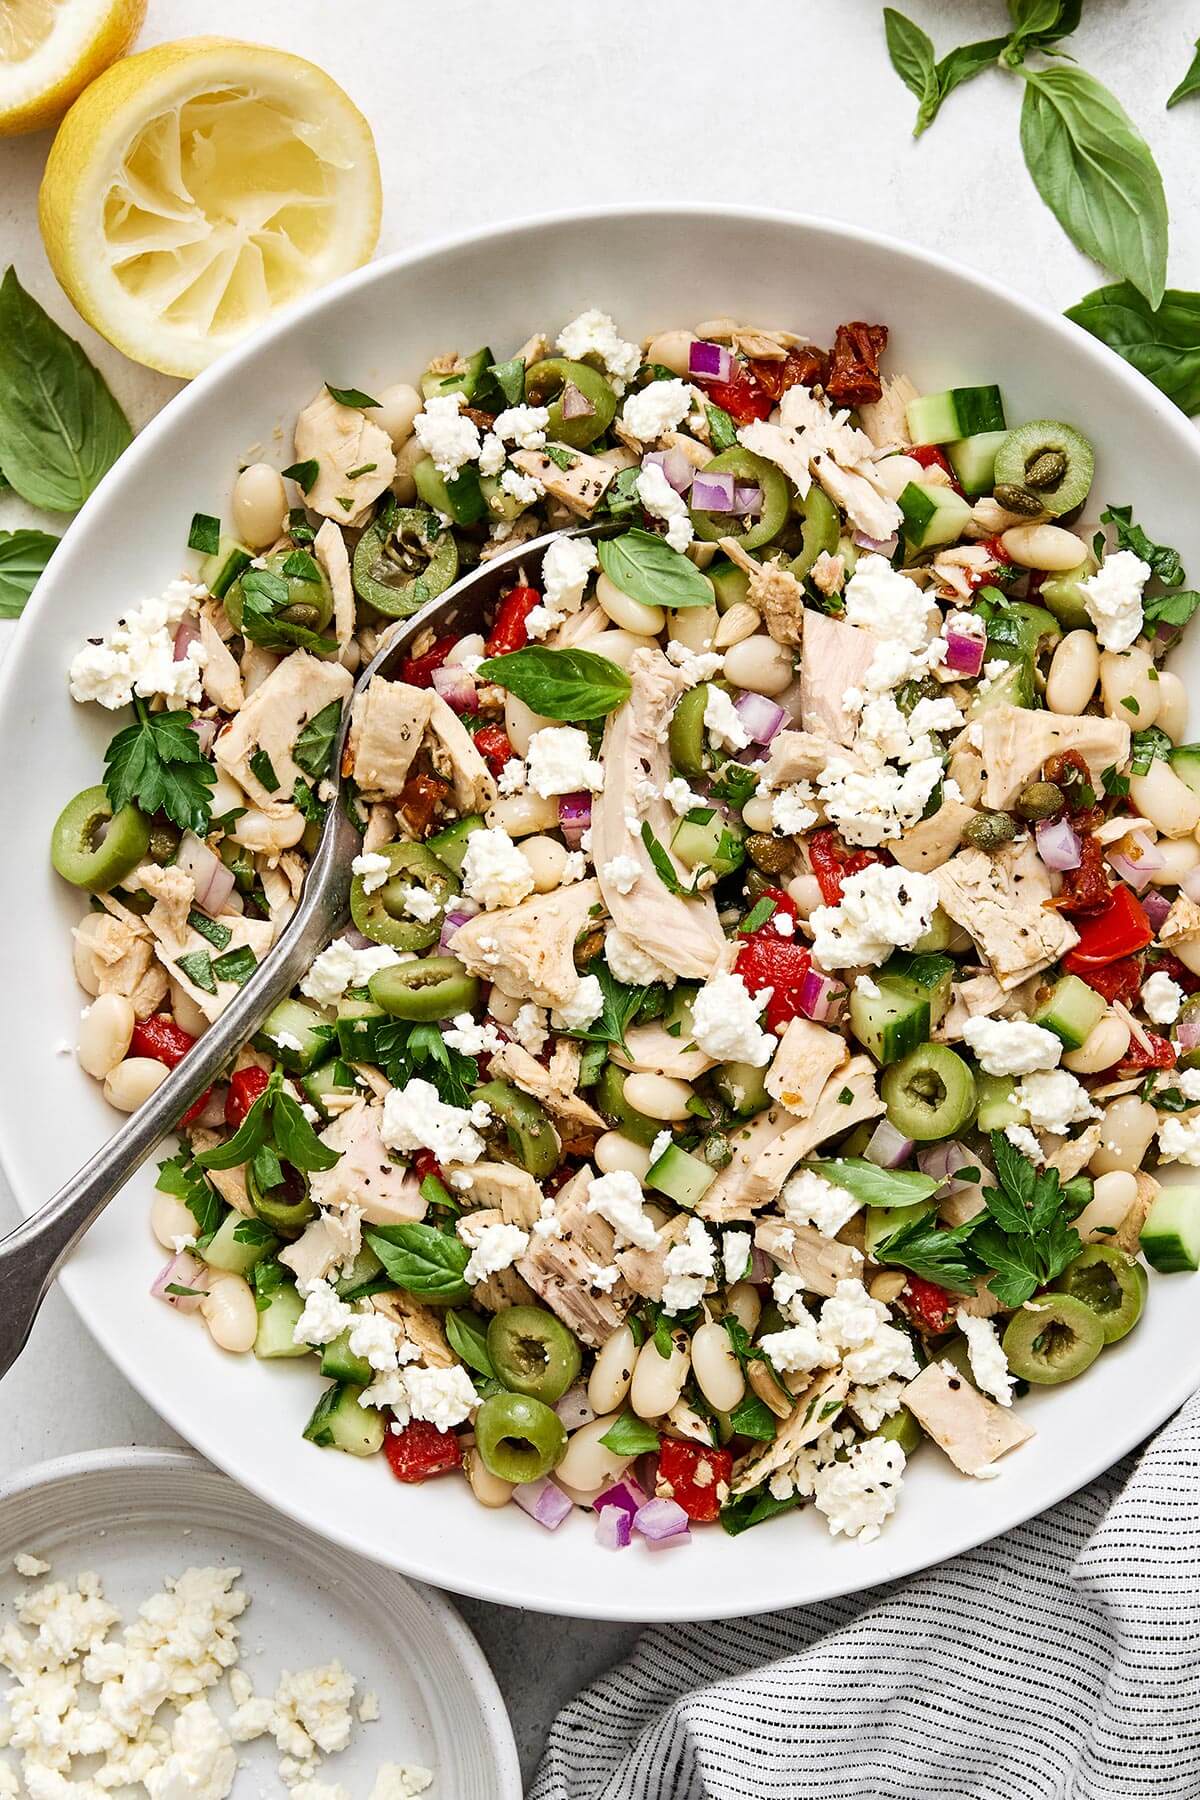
<point x="854" y="363"/>
<point x="1160" y="1055"/>
<point x="741" y="397"/>
<point x="426" y="1163"/>
<point x="804" y="366"/>
<point x="245" y="1087"/>
<point x="508" y="632"/>
<point x="417" y="671"/>
<point x="1119" y="930"/>
<point x="832" y="862"/>
<point x="1116" y="980"/>
<point x="492" y="743"/>
<point x="421" y="1450"/>
<point x="161" y="1039"/>
<point x="1000" y="576"/>
<point x="928" y="1305"/>
<point x="780" y="963"/>
<point x="695" y="1477"/>
<point x="932" y="456"/>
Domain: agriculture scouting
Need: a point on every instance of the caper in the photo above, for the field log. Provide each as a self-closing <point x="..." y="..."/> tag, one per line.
<point x="164" y="841"/>
<point x="589" y="946"/>
<point x="1016" y="499"/>
<point x="770" y="854"/>
<point x="1046" y="470"/>
<point x="756" y="884"/>
<point x="1040" y="800"/>
<point x="989" y="831"/>
<point x="301" y="613"/>
<point x="716" y="1151"/>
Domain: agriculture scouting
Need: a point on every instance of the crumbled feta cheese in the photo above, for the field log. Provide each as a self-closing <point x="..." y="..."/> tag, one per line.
<point x="492" y="454"/>
<point x="869" y="806"/>
<point x="525" y="489"/>
<point x="493" y="1248"/>
<point x="869" y="989"/>
<point x="202" y="1763"/>
<point x="324" y="1317"/>
<point x="725" y="1022"/>
<point x="565" y="569"/>
<point x="791" y="812"/>
<point x="511" y="779"/>
<point x="1161" y="998"/>
<point x="872" y="1405"/>
<point x="1179" y="1139"/>
<point x="618" y="1198"/>
<point x="420" y="904"/>
<point x="859" y="1494"/>
<point x="689" y="1267"/>
<point x="30" y="1566"/>
<point x="808" y="1199"/>
<point x="493" y="870"/>
<point x="1186" y="1082"/>
<point x="341" y="966"/>
<point x="445" y="1397"/>
<point x="798" y="1349"/>
<point x="443" y="433"/>
<point x="583" y="1008"/>
<point x="722" y="723"/>
<point x="1113" y="597"/>
<point x="377" y="1340"/>
<point x="529" y="1028"/>
<point x="1011" y="1046"/>
<point x="897" y="612"/>
<point x="560" y="761"/>
<point x="547" y="1224"/>
<point x="1022" y="1139"/>
<point x="415" y="1117"/>
<point x="594" y="334"/>
<point x="662" y="1143"/>
<point x="735" y="1254"/>
<point x="368" y="1708"/>
<point x="628" y="961"/>
<point x="1055" y="1100"/>
<point x="989" y="1365"/>
<point x="660" y="406"/>
<point x="472" y="1037"/>
<point x="622" y="872"/>
<point x="679" y="796"/>
<point x="401" y="1781"/>
<point x="603" y="1276"/>
<point x="662" y="502"/>
<point x="524" y="426"/>
<point x="883" y="908"/>
<point x="695" y="665"/>
<point x="138" y="655"/>
<point x="373" y="868"/>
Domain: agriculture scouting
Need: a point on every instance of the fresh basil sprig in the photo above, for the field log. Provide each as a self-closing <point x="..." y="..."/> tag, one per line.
<point x="274" y="1118"/>
<point x="422" y="1260"/>
<point x="630" y="1436"/>
<point x="560" y="684"/>
<point x="61" y="430"/>
<point x="466" y="1335"/>
<point x="1162" y="342"/>
<point x="872" y="1185"/>
<point x="23" y="556"/>
<point x="1164" y="559"/>
<point x="314" y="746"/>
<point x="647" y="569"/>
<point x="1190" y="83"/>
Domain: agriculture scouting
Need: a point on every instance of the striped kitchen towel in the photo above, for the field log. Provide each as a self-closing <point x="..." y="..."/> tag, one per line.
<point x="1061" y="1662"/>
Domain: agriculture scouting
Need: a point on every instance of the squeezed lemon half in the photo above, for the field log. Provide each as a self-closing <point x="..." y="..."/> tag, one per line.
<point x="51" y="49"/>
<point x="195" y="189"/>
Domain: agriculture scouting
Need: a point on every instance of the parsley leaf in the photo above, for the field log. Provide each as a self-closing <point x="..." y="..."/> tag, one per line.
<point x="934" y="1252"/>
<point x="622" y="1005"/>
<point x="1025" y="1237"/>
<point x="753" y="1418"/>
<point x="304" y="474"/>
<point x="157" y="764"/>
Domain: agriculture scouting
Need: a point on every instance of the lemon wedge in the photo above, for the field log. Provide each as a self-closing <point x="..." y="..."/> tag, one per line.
<point x="51" y="49"/>
<point x="196" y="188"/>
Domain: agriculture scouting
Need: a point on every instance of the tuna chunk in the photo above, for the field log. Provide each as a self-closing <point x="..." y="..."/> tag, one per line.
<point x="885" y="420"/>
<point x="365" y="1174"/>
<point x="173" y="892"/>
<point x="651" y="1049"/>
<point x="819" y="1262"/>
<point x="570" y="1112"/>
<point x="329" y="548"/>
<point x="455" y="755"/>
<point x="272" y="719"/>
<point x="1182" y="923"/>
<point x="803" y="755"/>
<point x="503" y="1186"/>
<point x="529" y="950"/>
<point x="685" y="936"/>
<point x="580" y="487"/>
<point x="774" y="590"/>
<point x="559" y="1269"/>
<point x="836" y="657"/>
<point x="421" y="1325"/>
<point x="1000" y="900"/>
<point x="387" y="725"/>
<point x="872" y="512"/>
<point x="806" y="1058"/>
<point x="115" y="957"/>
<point x="340" y="438"/>
<point x="972" y="1430"/>
<point x="1015" y="742"/>
<point x="646" y="1270"/>
<point x="331" y="1239"/>
<point x="222" y="677"/>
<point x="813" y="1413"/>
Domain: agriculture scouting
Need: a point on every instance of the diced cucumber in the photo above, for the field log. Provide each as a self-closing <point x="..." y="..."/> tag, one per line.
<point x="1185" y="761"/>
<point x="973" y="460"/>
<point x="933" y="515"/>
<point x="901" y="1428"/>
<point x="997" y="1108"/>
<point x="1171" y="1235"/>
<point x="227" y="1252"/>
<point x="464" y="381"/>
<point x="681" y="1176"/>
<point x="306" y="1037"/>
<point x="943" y="934"/>
<point x="705" y="839"/>
<point x="678" y="1012"/>
<point x="1014" y="688"/>
<point x="322" y="1084"/>
<point x="219" y="572"/>
<point x="277" y="1326"/>
<point x="365" y="1267"/>
<point x="1063" y="595"/>
<point x="610" y="1102"/>
<point x="881" y="1221"/>
<point x="1071" y="1010"/>
<point x="339" y="1362"/>
<point x="1019" y="632"/>
<point x="741" y="1086"/>
<point x="340" y="1423"/>
<point x="730" y="583"/>
<point x="889" y="1023"/>
<point x="957" y="413"/>
<point x="930" y="977"/>
<point x="358" y="1025"/>
<point x="450" y="844"/>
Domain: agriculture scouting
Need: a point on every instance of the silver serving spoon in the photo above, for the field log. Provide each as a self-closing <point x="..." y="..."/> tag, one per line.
<point x="31" y="1255"/>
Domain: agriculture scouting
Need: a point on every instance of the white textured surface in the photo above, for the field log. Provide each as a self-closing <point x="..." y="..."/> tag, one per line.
<point x="483" y="113"/>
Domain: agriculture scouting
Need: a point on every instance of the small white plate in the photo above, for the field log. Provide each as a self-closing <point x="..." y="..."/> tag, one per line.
<point x="137" y="1516"/>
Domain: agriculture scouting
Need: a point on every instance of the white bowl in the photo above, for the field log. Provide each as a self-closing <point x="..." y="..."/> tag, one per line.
<point x="651" y="268"/>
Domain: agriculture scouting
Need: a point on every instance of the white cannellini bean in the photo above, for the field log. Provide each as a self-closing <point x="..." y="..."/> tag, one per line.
<point x="1188" y="953"/>
<point x="1074" y="672"/>
<point x="83" y="955"/>
<point x="1104" y="1045"/>
<point x="672" y="349"/>
<point x="693" y="626"/>
<point x="487" y="1488"/>
<point x="658" y="1380"/>
<point x="229" y="1311"/>
<point x="187" y="1014"/>
<point x="398" y="406"/>
<point x="1129" y="687"/>
<point x="759" y="664"/>
<point x="627" y="613"/>
<point x="741" y="621"/>
<point x="1125" y="1133"/>
<point x="805" y="890"/>
<point x="226" y="795"/>
<point x="618" y="646"/>
<point x="587" y="1464"/>
<point x="658" y="1096"/>
<point x="612" y="1371"/>
<point x="133" y="1081"/>
<point x="520" y="722"/>
<point x="503" y="1007"/>
<point x="472" y="645"/>
<point x="258" y="831"/>
<point x="717" y="1370"/>
<point x="170" y="1219"/>
<point x="615" y="1151"/>
<point x="259" y="506"/>
<point x="1180" y="856"/>
<point x="104" y="1033"/>
<point x="410" y="453"/>
<point x="744" y="1302"/>
<point x="1167" y="802"/>
<point x="756" y="814"/>
<point x="522" y="814"/>
<point x="1172" y="706"/>
<point x="547" y="860"/>
<point x="894" y="473"/>
<point x="1112" y="1197"/>
<point x="1044" y="547"/>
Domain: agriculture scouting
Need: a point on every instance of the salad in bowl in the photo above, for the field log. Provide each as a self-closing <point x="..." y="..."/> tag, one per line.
<point x="774" y="937"/>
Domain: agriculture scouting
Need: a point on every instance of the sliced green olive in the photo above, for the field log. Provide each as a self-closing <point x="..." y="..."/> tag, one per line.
<point x="309" y="596"/>
<point x="94" y="849"/>
<point x="1051" y="462"/>
<point x="531" y="1137"/>
<point x="776" y="499"/>
<point x="548" y="383"/>
<point x="286" y="1209"/>
<point x="518" y="1438"/>
<point x="930" y="1093"/>
<point x="438" y="987"/>
<point x="685" y="734"/>
<point x="533" y="1353"/>
<point x="1112" y="1284"/>
<point x="404" y="561"/>
<point x="821" y="529"/>
<point x="381" y="916"/>
<point x="1053" y="1339"/>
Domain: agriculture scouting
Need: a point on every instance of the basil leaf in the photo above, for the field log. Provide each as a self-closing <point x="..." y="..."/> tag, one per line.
<point x="466" y="1335"/>
<point x="263" y="769"/>
<point x="61" y="430"/>
<point x="630" y="1436"/>
<point x="1163" y="559"/>
<point x="911" y="51"/>
<point x="422" y="1260"/>
<point x="1190" y="83"/>
<point x="1170" y="609"/>
<point x="246" y="1141"/>
<point x="1162" y="343"/>
<point x="350" y="396"/>
<point x="962" y="64"/>
<point x="197" y="966"/>
<point x="314" y="746"/>
<point x="295" y="1138"/>
<point x="175" y="1287"/>
<point x="301" y="567"/>
<point x="23" y="556"/>
<point x="753" y="1418"/>
<point x="722" y="431"/>
<point x="509" y="377"/>
<point x="560" y="684"/>
<point x="755" y="1508"/>
<point x="205" y="534"/>
<point x="1038" y="24"/>
<point x="872" y="1185"/>
<point x="647" y="569"/>
<point x="252" y="1231"/>
<point x="236" y="965"/>
<point x="622" y="499"/>
<point x="304" y="474"/>
<point x="218" y="935"/>
<point x="1096" y="173"/>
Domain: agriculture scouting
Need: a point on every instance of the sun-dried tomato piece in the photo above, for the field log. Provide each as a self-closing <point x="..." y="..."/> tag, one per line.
<point x="1085" y="889"/>
<point x="805" y="366"/>
<point x="419" y="800"/>
<point x="1118" y="980"/>
<point x="1160" y="1055"/>
<point x="854" y="363"/>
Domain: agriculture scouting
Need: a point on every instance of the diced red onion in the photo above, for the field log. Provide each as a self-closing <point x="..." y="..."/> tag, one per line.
<point x="456" y="685"/>
<point x="450" y="924"/>
<point x="574" y="817"/>
<point x="206" y="731"/>
<point x="614" y="1527"/>
<point x="1156" y="906"/>
<point x="761" y="1269"/>
<point x="747" y="497"/>
<point x="214" y="1110"/>
<point x="882" y="546"/>
<point x="940" y="1161"/>
<point x="1190" y="885"/>
<point x="659" y="1520"/>
<point x="761" y="717"/>
<point x="713" y="493"/>
<point x="886" y="1147"/>
<point x="1058" y="843"/>
<point x="573" y="1408"/>
<point x="543" y="1501"/>
<point x="574" y="403"/>
<point x="820" y="995"/>
<point x="1137" y="868"/>
<point x="1187" y="1033"/>
<point x="213" y="881"/>
<point x="964" y="653"/>
<point x="187" y="632"/>
<point x="355" y="939"/>
<point x="674" y="465"/>
<point x="626" y="1494"/>
<point x="182" y="1271"/>
<point x="713" y="361"/>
